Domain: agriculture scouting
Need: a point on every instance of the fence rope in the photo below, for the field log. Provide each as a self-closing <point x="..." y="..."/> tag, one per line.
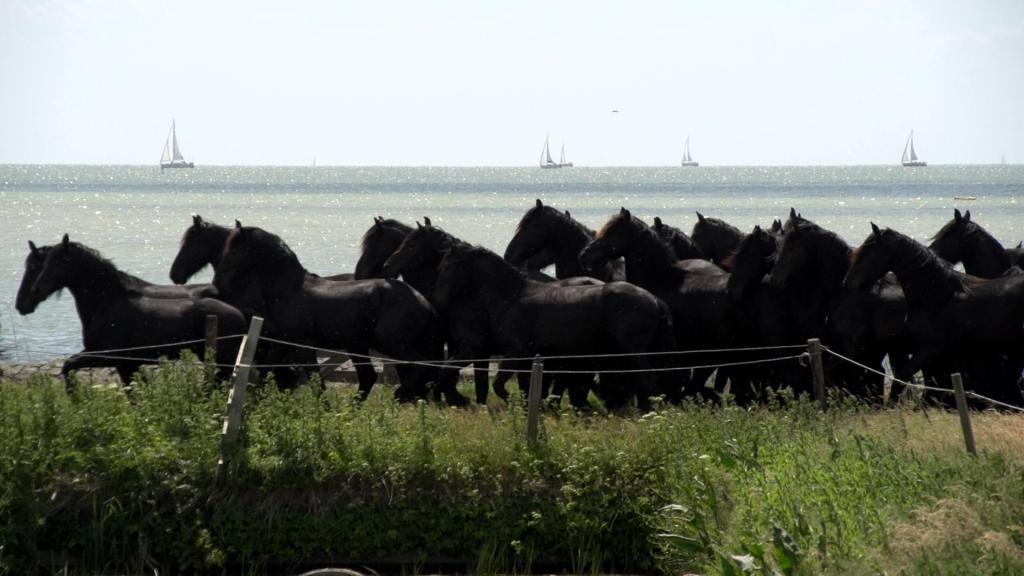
<point x="967" y="393"/>
<point x="531" y="358"/>
<point x="880" y="373"/>
<point x="451" y="365"/>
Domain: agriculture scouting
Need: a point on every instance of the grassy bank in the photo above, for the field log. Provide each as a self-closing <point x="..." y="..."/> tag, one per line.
<point x="123" y="483"/>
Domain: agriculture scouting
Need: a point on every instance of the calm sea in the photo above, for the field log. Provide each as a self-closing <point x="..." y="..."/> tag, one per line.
<point x="135" y="215"/>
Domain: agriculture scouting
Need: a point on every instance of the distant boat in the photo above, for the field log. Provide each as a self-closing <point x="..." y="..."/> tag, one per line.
<point x="909" y="155"/>
<point x="547" y="162"/>
<point x="172" y="158"/>
<point x="687" y="159"/>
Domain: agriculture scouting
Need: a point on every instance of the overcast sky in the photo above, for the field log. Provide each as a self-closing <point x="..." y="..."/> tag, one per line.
<point x="482" y="83"/>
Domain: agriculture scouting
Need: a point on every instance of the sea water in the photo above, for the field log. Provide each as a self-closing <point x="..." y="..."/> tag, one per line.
<point x="135" y="215"/>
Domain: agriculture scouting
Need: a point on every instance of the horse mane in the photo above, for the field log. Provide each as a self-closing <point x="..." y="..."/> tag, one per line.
<point x="106" y="265"/>
<point x="268" y="243"/>
<point x="730" y="261"/>
<point x="391" y="223"/>
<point x="920" y="257"/>
<point x="718" y="223"/>
<point x="206" y="225"/>
<point x="556" y="215"/>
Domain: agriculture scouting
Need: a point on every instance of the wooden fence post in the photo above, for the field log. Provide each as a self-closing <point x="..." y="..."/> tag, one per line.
<point x="817" y="371"/>
<point x="533" y="400"/>
<point x="210" y="352"/>
<point x="236" y="398"/>
<point x="965" y="414"/>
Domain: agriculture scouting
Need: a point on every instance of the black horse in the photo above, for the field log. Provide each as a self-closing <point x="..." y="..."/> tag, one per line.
<point x="695" y="291"/>
<point x="762" y="311"/>
<point x="683" y="246"/>
<point x="117" y="313"/>
<point x="546" y="236"/>
<point x="416" y="259"/>
<point x="955" y="322"/>
<point x="525" y="318"/>
<point x="352" y="315"/>
<point x="864" y="325"/>
<point x="716" y="238"/>
<point x="964" y="240"/>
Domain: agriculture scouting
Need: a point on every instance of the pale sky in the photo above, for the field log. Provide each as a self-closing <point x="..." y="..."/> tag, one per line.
<point x="482" y="83"/>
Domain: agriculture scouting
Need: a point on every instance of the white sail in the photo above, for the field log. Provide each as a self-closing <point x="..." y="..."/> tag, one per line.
<point x="561" y="159"/>
<point x="910" y="155"/>
<point x="686" y="151"/>
<point x="547" y="153"/>
<point x="174" y="139"/>
<point x="907" y="146"/>
<point x="166" y="156"/>
<point x="172" y="156"/>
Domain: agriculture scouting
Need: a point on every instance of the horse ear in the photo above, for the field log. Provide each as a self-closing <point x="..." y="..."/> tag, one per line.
<point x="567" y="215"/>
<point x="957" y="215"/>
<point x="1020" y="244"/>
<point x="418" y="225"/>
<point x="426" y="221"/>
<point x="197" y="219"/>
<point x="657" y="222"/>
<point x="967" y="216"/>
<point x="700" y="217"/>
<point x="238" y="225"/>
<point x="65" y="241"/>
<point x="757" y="229"/>
<point x="32" y="247"/>
<point x="875" y="230"/>
<point x="625" y="212"/>
<point x="539" y="203"/>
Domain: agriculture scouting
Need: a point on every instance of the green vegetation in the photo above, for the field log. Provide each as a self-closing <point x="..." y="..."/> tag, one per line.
<point x="105" y="481"/>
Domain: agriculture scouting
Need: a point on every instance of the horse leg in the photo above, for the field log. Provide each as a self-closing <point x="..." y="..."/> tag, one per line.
<point x="505" y="373"/>
<point x="82" y="360"/>
<point x="365" y="372"/>
<point x="481" y="380"/>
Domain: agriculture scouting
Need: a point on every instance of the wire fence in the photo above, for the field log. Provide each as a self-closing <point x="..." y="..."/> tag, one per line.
<point x="968" y="393"/>
<point x="114" y="355"/>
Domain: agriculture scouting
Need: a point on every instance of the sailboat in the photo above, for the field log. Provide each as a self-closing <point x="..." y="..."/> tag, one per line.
<point x="561" y="160"/>
<point x="171" y="157"/>
<point x="909" y="155"/>
<point x="547" y="162"/>
<point x="687" y="159"/>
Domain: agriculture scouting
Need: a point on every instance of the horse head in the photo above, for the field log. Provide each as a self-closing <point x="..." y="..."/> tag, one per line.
<point x="872" y="260"/>
<point x="530" y="245"/>
<point x="378" y="243"/>
<point x="753" y="258"/>
<point x="613" y="240"/>
<point x="34" y="262"/>
<point x="421" y="248"/>
<point x="202" y="244"/>
<point x="951" y="241"/>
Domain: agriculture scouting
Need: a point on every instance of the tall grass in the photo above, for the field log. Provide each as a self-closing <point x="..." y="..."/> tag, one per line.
<point x="103" y="480"/>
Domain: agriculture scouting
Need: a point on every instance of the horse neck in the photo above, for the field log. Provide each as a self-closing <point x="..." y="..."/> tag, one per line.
<point x="280" y="276"/>
<point x="215" y="248"/>
<point x="570" y="239"/>
<point x="985" y="256"/>
<point x="422" y="278"/>
<point x="97" y="284"/>
<point x="650" y="263"/>
<point x="925" y="278"/>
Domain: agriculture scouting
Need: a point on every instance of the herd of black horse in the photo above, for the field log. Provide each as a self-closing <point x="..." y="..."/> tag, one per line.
<point x="633" y="310"/>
